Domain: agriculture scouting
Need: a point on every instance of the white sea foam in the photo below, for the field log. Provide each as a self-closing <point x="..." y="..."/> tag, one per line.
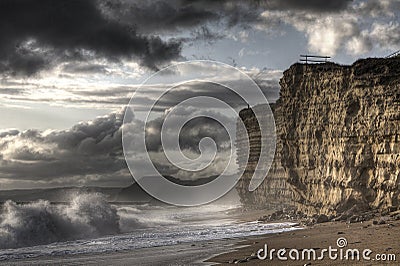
<point x="36" y="223"/>
<point x="90" y="225"/>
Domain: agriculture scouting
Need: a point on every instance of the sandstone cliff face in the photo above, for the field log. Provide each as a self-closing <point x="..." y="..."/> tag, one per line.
<point x="274" y="192"/>
<point x="339" y="136"/>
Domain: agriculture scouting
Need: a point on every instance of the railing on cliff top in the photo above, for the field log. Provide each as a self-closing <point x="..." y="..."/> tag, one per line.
<point x="397" y="53"/>
<point x="314" y="58"/>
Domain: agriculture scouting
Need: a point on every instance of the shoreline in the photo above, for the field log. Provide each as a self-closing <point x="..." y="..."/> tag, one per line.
<point x="184" y="253"/>
<point x="382" y="239"/>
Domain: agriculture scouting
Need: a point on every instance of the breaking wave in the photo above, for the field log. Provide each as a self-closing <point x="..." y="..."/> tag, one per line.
<point x="90" y="216"/>
<point x="37" y="223"/>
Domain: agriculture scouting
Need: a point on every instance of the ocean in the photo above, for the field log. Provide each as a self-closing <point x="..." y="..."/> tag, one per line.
<point x="90" y="225"/>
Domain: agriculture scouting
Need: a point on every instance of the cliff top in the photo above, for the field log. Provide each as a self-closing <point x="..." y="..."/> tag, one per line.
<point x="374" y="66"/>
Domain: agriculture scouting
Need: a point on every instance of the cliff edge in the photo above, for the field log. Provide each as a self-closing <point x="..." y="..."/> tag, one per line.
<point x="338" y="136"/>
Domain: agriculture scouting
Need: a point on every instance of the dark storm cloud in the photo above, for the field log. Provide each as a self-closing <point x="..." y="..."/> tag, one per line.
<point x="11" y="91"/>
<point x="203" y="34"/>
<point x="38" y="35"/>
<point x="11" y="132"/>
<point x="85" y="68"/>
<point x="33" y="35"/>
<point x="175" y="15"/>
<point x="159" y="15"/>
<point x="202" y="127"/>
<point x="88" y="148"/>
<point x="162" y="16"/>
<point x="311" y="5"/>
<point x="247" y="11"/>
<point x="90" y="153"/>
<point x="191" y="133"/>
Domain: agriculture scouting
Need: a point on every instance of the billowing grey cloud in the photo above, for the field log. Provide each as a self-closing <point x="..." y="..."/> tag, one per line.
<point x="202" y="126"/>
<point x="192" y="132"/>
<point x="202" y="17"/>
<point x="86" y="150"/>
<point x="36" y="34"/>
<point x="84" y="67"/>
<point x="160" y="15"/>
<point x="11" y="91"/>
<point x="90" y="153"/>
<point x="357" y="29"/>
<point x="311" y="5"/>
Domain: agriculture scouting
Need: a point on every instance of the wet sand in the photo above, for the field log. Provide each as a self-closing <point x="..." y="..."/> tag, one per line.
<point x="181" y="254"/>
<point x="380" y="238"/>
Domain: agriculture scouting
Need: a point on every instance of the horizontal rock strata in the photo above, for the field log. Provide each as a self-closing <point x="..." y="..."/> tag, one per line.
<point x="338" y="133"/>
<point x="274" y="192"/>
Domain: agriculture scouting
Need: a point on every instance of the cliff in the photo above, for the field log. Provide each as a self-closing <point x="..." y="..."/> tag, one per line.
<point x="274" y="192"/>
<point x="338" y="137"/>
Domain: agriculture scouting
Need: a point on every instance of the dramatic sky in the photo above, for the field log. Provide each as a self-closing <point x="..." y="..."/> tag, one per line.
<point x="68" y="68"/>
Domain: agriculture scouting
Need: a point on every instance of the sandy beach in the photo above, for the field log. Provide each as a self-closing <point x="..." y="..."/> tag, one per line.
<point x="181" y="254"/>
<point x="380" y="238"/>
